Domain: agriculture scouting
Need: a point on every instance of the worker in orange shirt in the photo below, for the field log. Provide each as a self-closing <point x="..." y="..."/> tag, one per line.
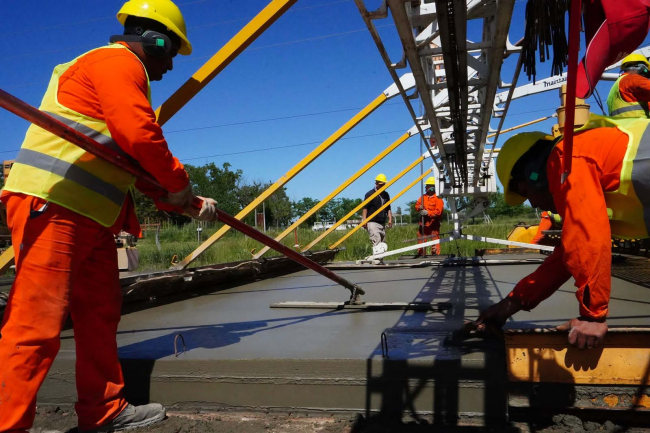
<point x="630" y="94"/>
<point x="430" y="217"/>
<point x="605" y="194"/>
<point x="64" y="206"/>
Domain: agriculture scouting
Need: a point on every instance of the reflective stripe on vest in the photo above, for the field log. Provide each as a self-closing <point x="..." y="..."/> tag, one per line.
<point x="635" y="109"/>
<point x="70" y="172"/>
<point x="95" y="135"/>
<point x="620" y="108"/>
<point x="55" y="170"/>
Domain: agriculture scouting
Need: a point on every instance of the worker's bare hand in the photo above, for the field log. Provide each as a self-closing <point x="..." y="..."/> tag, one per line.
<point x="390" y="225"/>
<point x="494" y="317"/>
<point x="208" y="211"/>
<point x="585" y="333"/>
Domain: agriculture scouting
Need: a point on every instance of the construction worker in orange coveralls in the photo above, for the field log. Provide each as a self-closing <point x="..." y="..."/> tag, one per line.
<point x="64" y="207"/>
<point x="430" y="216"/>
<point x="607" y="194"/>
<point x="630" y="94"/>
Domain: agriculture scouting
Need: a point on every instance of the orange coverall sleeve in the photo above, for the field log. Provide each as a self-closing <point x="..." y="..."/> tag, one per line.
<point x="121" y="86"/>
<point x="418" y="204"/>
<point x="542" y="283"/>
<point x="634" y="87"/>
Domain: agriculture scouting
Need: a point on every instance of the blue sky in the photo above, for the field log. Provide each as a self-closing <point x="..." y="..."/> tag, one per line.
<point x="311" y="71"/>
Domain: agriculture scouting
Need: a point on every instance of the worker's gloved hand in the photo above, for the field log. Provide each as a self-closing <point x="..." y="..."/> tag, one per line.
<point x="424" y="212"/>
<point x="494" y="317"/>
<point x="180" y="199"/>
<point x="208" y="211"/>
<point x="585" y="333"/>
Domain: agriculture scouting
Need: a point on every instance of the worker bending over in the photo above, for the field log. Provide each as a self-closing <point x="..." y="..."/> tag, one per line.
<point x="630" y="94"/>
<point x="430" y="216"/>
<point x="64" y="205"/>
<point x="376" y="227"/>
<point x="607" y="194"/>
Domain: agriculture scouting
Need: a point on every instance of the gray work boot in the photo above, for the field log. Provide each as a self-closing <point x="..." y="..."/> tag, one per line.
<point x="133" y="417"/>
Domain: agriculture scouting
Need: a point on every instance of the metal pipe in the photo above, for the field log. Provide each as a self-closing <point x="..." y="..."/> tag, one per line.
<point x="37" y="117"/>
<point x="575" y="14"/>
<point x="532" y="122"/>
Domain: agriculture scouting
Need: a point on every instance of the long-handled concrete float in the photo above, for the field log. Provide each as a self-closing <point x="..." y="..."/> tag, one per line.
<point x="50" y="124"/>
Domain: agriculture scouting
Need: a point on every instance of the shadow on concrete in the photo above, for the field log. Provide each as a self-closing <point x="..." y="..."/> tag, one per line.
<point x="434" y="379"/>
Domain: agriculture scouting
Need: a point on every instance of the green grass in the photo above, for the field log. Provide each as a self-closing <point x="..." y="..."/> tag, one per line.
<point x="235" y="246"/>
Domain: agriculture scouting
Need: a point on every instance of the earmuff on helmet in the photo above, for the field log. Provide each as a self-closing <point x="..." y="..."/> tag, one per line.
<point x="153" y="43"/>
<point x="640" y="68"/>
<point x="531" y="167"/>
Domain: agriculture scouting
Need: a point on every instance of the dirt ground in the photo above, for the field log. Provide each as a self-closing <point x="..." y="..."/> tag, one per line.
<point x="62" y="420"/>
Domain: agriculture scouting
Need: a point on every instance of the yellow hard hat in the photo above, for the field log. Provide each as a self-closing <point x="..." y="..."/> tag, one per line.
<point x="162" y="11"/>
<point x="430" y="181"/>
<point x="513" y="149"/>
<point x="381" y="177"/>
<point x="635" y="58"/>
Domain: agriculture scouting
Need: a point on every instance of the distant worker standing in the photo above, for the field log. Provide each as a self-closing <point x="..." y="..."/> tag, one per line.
<point x="376" y="226"/>
<point x="64" y="207"/>
<point x="545" y="223"/>
<point x="607" y="194"/>
<point x="630" y="94"/>
<point x="430" y="217"/>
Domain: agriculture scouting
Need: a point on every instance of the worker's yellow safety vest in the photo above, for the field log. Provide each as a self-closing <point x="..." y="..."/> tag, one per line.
<point x="56" y="170"/>
<point x="628" y="207"/>
<point x="620" y="108"/>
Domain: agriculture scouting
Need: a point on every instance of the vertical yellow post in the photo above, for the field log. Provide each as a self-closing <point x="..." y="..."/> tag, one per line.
<point x="222" y="58"/>
<point x="287" y="177"/>
<point x="340" y="188"/>
<point x="384" y="206"/>
<point x="365" y="202"/>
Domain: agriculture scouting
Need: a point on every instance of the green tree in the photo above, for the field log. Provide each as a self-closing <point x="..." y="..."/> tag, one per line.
<point x="279" y="206"/>
<point x="302" y="206"/>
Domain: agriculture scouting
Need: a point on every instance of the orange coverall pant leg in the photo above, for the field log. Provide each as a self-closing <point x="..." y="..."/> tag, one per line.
<point x="423" y="233"/>
<point x="64" y="263"/>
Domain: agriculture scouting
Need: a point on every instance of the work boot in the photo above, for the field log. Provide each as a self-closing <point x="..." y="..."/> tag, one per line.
<point x="133" y="417"/>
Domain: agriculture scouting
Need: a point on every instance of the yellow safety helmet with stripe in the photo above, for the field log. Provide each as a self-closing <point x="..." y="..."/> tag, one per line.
<point x="162" y="11"/>
<point x="381" y="177"/>
<point x="511" y="151"/>
<point x="634" y="58"/>
<point x="430" y="181"/>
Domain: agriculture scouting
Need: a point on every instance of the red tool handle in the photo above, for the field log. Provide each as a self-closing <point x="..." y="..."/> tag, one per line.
<point x="37" y="117"/>
<point x="574" y="47"/>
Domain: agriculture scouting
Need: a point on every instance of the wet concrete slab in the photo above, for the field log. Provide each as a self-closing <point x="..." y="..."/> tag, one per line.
<point x="238" y="352"/>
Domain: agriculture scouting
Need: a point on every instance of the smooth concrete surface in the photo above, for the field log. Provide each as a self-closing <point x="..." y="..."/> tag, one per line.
<point x="240" y="352"/>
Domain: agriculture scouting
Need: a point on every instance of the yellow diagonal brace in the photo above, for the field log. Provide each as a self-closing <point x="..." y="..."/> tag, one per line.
<point x="340" y="188"/>
<point x="365" y="202"/>
<point x="6" y="260"/>
<point x="224" y="56"/>
<point x="287" y="177"/>
<point x="384" y="206"/>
